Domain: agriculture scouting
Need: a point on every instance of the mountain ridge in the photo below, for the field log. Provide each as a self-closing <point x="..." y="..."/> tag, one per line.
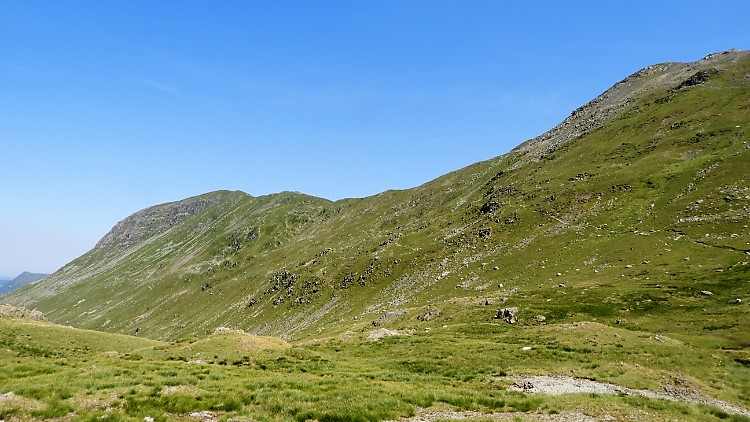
<point x="623" y="172"/>
<point x="19" y="281"/>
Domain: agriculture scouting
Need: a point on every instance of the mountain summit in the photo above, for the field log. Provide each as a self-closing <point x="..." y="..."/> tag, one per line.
<point x="627" y="210"/>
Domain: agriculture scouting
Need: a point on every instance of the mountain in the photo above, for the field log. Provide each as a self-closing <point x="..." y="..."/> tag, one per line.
<point x="634" y="210"/>
<point x="20" y="281"/>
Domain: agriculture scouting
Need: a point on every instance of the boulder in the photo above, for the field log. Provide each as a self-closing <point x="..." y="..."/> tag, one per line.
<point x="388" y="316"/>
<point x="706" y="293"/>
<point x="509" y="315"/>
<point x="428" y="316"/>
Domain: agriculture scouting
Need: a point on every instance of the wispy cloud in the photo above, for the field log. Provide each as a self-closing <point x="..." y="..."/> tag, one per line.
<point x="168" y="89"/>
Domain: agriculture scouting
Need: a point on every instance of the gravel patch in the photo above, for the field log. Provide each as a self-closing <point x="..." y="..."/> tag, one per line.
<point x="558" y="384"/>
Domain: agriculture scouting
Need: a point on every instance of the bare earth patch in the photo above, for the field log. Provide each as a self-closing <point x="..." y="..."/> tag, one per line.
<point x="558" y="384"/>
<point x="426" y="416"/>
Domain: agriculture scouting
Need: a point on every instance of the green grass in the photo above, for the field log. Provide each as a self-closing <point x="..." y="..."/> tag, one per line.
<point x="611" y="237"/>
<point x="462" y="367"/>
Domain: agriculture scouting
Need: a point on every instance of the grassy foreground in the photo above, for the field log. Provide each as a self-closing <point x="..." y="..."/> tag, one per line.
<point x="61" y="373"/>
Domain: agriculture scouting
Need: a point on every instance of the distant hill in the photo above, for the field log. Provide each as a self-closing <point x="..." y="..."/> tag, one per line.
<point x="633" y="210"/>
<point x="8" y="285"/>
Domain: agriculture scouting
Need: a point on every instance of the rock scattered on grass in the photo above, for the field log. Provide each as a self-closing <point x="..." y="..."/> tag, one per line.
<point x="388" y="316"/>
<point x="509" y="315"/>
<point x="429" y="315"/>
<point x="15" y="312"/>
<point x="382" y="332"/>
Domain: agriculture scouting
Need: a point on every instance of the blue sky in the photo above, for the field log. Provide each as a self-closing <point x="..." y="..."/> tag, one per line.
<point x="107" y="107"/>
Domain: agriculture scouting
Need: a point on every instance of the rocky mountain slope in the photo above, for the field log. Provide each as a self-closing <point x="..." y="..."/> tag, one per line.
<point x="629" y="209"/>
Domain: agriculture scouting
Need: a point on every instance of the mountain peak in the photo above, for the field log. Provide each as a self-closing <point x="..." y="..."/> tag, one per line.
<point x="596" y="112"/>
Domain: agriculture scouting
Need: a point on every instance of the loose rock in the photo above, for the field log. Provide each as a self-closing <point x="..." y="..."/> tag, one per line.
<point x="430" y="315"/>
<point x="382" y="332"/>
<point x="388" y="316"/>
<point x="509" y="315"/>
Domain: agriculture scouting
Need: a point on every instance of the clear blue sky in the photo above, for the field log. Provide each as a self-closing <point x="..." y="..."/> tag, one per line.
<point x="107" y="107"/>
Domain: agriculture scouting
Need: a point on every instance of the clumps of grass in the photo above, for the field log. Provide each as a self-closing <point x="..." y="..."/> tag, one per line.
<point x="10" y="412"/>
<point x="179" y="403"/>
<point x="54" y="408"/>
<point x="324" y="416"/>
<point x="502" y="402"/>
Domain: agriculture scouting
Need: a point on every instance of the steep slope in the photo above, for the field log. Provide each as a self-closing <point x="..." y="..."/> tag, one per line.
<point x="638" y="201"/>
<point x="21" y="280"/>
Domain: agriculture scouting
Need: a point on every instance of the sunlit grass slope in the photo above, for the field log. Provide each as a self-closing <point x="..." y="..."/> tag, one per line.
<point x="621" y="236"/>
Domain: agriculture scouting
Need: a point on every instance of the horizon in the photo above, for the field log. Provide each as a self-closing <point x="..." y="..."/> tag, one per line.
<point x="112" y="108"/>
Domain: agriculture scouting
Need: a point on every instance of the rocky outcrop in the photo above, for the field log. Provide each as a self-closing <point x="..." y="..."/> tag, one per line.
<point x="388" y="316"/>
<point x="7" y="311"/>
<point x="509" y="315"/>
<point x="700" y="77"/>
<point x="155" y="220"/>
<point x="429" y="315"/>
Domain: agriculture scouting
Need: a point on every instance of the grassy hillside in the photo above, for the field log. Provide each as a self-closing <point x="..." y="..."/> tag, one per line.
<point x="621" y="236"/>
<point x="60" y="373"/>
<point x="649" y="201"/>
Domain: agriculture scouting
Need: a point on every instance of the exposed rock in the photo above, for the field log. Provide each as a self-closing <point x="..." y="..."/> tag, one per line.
<point x="490" y="207"/>
<point x="226" y="330"/>
<point x="509" y="315"/>
<point x="486" y="302"/>
<point x="205" y="415"/>
<point x="706" y="293"/>
<point x="388" y="316"/>
<point x="14" y="312"/>
<point x="540" y="318"/>
<point x="484" y="233"/>
<point x="559" y="384"/>
<point x="382" y="332"/>
<point x="154" y="220"/>
<point x="429" y="316"/>
<point x="700" y="77"/>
